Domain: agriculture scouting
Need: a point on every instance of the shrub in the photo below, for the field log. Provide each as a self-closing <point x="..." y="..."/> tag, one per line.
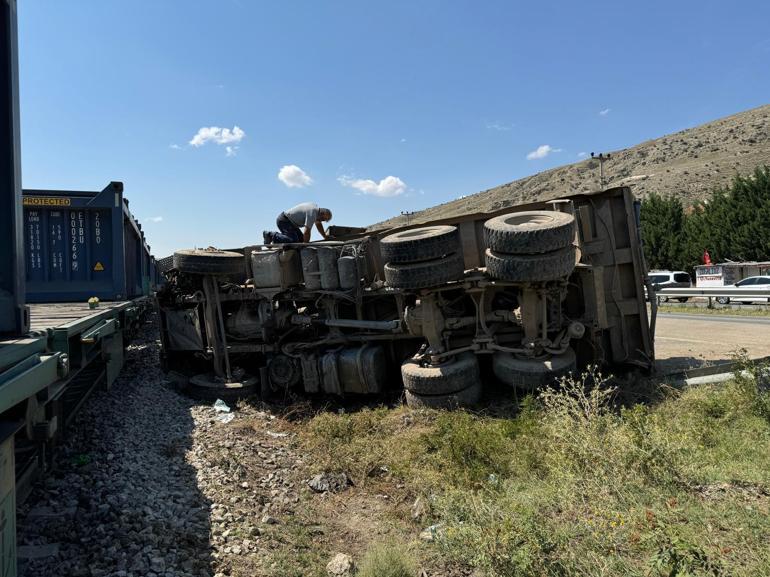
<point x="389" y="560"/>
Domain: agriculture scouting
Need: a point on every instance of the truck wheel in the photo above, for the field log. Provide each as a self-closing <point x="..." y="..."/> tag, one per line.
<point x="214" y="262"/>
<point x="530" y="267"/>
<point x="420" y="244"/>
<point x="723" y="300"/>
<point x="453" y="376"/>
<point x="529" y="374"/>
<point x="206" y="387"/>
<point x="529" y="232"/>
<point x="465" y="398"/>
<point x="426" y="274"/>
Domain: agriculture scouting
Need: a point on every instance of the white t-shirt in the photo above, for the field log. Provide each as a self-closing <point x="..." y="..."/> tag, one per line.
<point x="303" y="215"/>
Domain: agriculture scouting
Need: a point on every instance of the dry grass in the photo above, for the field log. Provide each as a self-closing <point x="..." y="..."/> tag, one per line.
<point x="745" y="311"/>
<point x="571" y="486"/>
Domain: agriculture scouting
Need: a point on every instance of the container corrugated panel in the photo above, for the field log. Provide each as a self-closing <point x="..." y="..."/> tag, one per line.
<point x="82" y="244"/>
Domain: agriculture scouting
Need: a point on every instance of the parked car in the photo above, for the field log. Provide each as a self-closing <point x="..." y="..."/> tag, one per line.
<point x="661" y="279"/>
<point x="752" y="282"/>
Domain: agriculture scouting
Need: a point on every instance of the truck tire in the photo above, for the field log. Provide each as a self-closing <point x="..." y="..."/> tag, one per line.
<point x="465" y="398"/>
<point x="531" y="267"/>
<point x="213" y="262"/>
<point x="451" y="377"/>
<point x="723" y="300"/>
<point x="529" y="374"/>
<point x="206" y="388"/>
<point x="530" y="232"/>
<point x="426" y="274"/>
<point x="420" y="244"/>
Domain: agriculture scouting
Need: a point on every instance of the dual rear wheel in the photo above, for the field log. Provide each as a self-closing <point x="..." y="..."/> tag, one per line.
<point x="422" y="257"/>
<point x="457" y="382"/>
<point x="531" y="246"/>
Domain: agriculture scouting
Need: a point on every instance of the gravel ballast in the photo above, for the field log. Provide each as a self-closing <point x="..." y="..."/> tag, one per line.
<point x="150" y="483"/>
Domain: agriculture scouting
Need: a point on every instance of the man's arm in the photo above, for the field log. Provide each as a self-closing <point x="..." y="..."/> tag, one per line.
<point x="319" y="225"/>
<point x="306" y="234"/>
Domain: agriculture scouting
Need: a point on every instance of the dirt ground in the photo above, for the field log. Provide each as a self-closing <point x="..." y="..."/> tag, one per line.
<point x="685" y="341"/>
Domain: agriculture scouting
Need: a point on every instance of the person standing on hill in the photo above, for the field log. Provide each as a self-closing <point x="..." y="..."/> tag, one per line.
<point x="291" y="222"/>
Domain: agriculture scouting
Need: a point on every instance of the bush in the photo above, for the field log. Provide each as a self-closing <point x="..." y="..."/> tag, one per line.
<point x="388" y="560"/>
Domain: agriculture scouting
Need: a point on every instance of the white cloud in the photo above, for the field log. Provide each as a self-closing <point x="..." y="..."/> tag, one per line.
<point x="231" y="150"/>
<point x="499" y="127"/>
<point x="217" y="135"/>
<point x="582" y="154"/>
<point x="604" y="112"/>
<point x="388" y="186"/>
<point x="175" y="147"/>
<point x="294" y="177"/>
<point x="155" y="219"/>
<point x="542" y="151"/>
<point x="403" y="140"/>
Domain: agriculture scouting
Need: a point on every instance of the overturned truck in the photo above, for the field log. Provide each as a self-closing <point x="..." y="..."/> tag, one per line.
<point x="532" y="292"/>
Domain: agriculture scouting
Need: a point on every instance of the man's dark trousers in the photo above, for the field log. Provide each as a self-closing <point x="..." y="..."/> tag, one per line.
<point x="290" y="232"/>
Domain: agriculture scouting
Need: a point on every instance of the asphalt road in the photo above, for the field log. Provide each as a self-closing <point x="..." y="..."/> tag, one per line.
<point x="690" y="340"/>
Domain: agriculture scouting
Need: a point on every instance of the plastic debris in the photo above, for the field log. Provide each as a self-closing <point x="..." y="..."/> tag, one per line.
<point x="432" y="532"/>
<point x="225" y="417"/>
<point x="221" y="407"/>
<point x="277" y="435"/>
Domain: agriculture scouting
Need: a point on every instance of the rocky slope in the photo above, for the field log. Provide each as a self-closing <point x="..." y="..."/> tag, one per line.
<point x="689" y="164"/>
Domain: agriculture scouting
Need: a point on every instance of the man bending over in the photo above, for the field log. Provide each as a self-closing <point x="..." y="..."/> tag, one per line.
<point x="291" y="222"/>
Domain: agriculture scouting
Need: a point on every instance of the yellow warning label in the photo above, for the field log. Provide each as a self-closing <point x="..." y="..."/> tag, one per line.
<point x="98" y="266"/>
<point x="46" y="201"/>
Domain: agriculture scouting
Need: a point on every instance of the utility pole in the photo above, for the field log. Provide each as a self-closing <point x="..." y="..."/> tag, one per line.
<point x="601" y="158"/>
<point x="408" y="216"/>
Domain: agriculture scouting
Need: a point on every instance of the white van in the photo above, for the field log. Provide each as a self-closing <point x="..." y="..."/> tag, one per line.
<point x="661" y="279"/>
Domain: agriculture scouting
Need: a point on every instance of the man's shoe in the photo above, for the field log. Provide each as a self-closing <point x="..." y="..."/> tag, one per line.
<point x="267" y="237"/>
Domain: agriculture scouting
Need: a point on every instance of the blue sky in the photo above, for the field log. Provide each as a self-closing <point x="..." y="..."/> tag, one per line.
<point x="444" y="97"/>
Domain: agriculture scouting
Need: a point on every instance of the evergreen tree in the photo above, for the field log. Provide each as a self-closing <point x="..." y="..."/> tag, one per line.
<point x="733" y="224"/>
<point x="662" y="221"/>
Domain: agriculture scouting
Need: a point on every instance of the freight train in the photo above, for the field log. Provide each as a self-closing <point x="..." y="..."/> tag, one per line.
<point x="58" y="250"/>
<point x="88" y="277"/>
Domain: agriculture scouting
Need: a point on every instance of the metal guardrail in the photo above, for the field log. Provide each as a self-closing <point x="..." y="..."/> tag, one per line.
<point x="714" y="292"/>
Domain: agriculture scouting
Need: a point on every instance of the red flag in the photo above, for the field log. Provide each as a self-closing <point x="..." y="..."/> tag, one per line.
<point x="706" y="257"/>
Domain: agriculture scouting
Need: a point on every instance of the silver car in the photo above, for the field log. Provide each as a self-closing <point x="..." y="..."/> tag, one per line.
<point x="752" y="282"/>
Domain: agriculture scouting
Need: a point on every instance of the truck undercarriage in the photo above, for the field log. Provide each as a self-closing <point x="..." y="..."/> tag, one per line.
<point x="536" y="291"/>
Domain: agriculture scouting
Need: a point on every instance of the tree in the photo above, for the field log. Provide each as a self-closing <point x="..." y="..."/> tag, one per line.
<point x="662" y="221"/>
<point x="733" y="224"/>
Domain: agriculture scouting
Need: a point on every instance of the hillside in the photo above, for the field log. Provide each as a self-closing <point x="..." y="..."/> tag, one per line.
<point x="689" y="164"/>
